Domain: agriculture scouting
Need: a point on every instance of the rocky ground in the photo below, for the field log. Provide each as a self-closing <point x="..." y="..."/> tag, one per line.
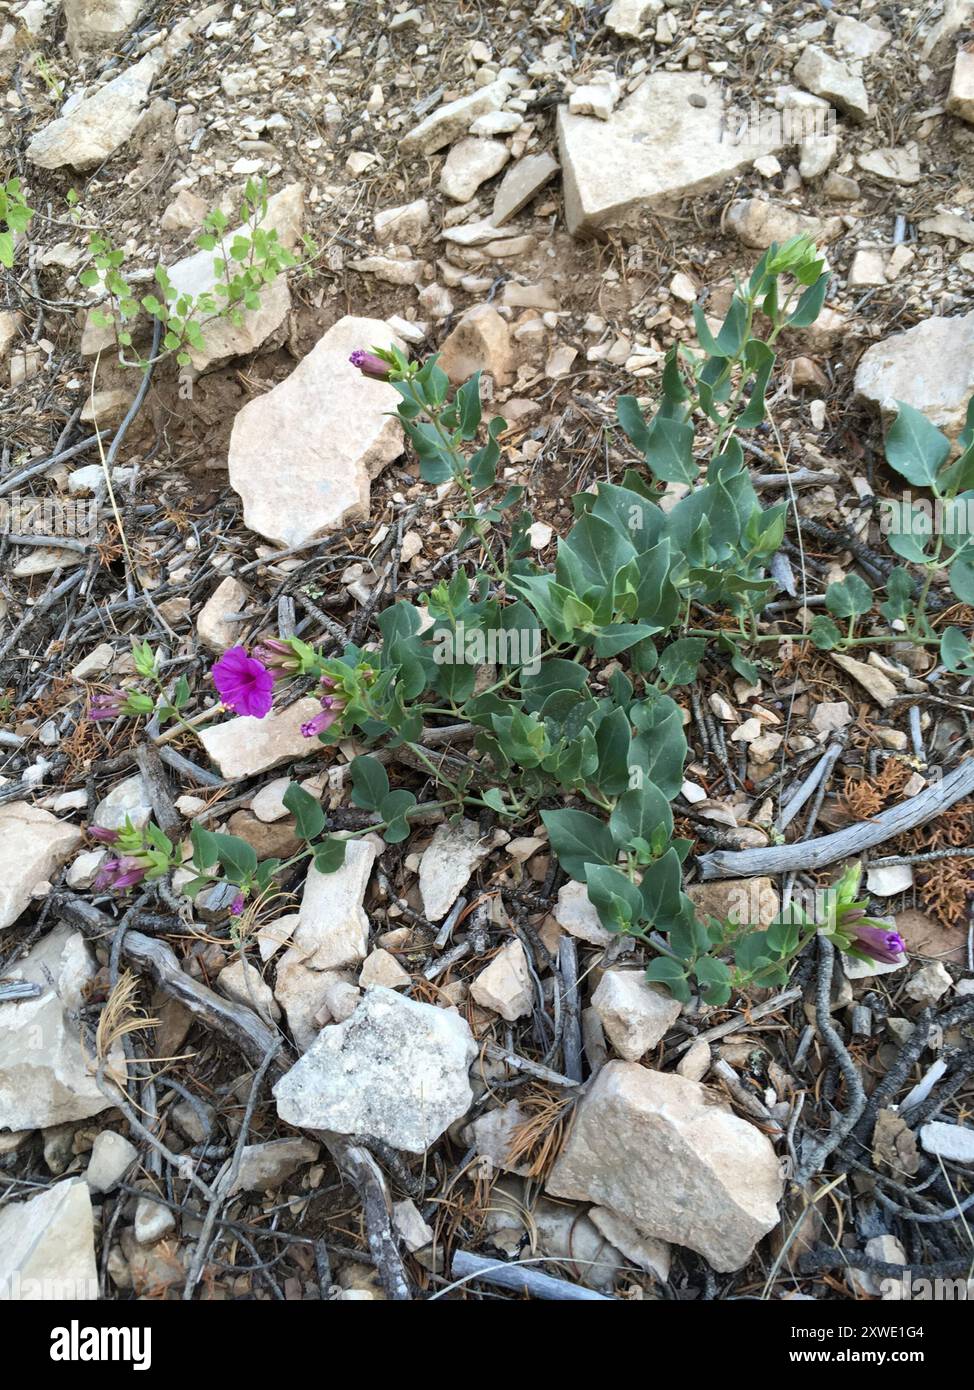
<point x="541" y="192"/>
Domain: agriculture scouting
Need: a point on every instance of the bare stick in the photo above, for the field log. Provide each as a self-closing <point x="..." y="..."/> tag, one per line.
<point x="519" y="1277"/>
<point x="813" y="854"/>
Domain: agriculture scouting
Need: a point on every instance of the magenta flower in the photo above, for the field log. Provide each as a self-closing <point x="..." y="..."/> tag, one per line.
<point x="237" y="906"/>
<point x="878" y="943"/>
<point x="369" y="364"/>
<point x="119" y="873"/>
<point x="245" y="685"/>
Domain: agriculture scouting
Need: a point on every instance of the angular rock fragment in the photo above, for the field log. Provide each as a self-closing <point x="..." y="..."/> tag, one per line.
<point x="634" y="1013"/>
<point x="929" y="366"/>
<point x="760" y="221"/>
<point x="450" y="859"/>
<point x="333" y="929"/>
<point x="960" y="101"/>
<point x="303" y="456"/>
<point x="219" y="621"/>
<point x="480" y="342"/>
<point x="47" y="1246"/>
<point x="661" y="1152"/>
<point x="244" y="746"/>
<point x="94" y="25"/>
<point x="505" y="985"/>
<point x="672" y="137"/>
<point x="629" y="18"/>
<point x="522" y="182"/>
<point x="33" y="846"/>
<point x="833" y="79"/>
<point x="46" y="1076"/>
<point x="396" y="1071"/>
<point x="454" y="119"/>
<point x="470" y="163"/>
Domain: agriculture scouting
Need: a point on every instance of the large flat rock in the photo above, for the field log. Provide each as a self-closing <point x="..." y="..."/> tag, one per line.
<point x="33" y="846"/>
<point x="671" y="138"/>
<point x="303" y="456"/>
<point x="47" y="1077"/>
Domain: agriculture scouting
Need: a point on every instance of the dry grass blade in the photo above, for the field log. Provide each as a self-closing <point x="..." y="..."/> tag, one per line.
<point x="121" y="1016"/>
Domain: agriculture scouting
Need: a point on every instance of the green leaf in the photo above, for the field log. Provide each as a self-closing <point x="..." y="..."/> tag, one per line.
<point x="669" y="451"/>
<point x="468" y="407"/>
<point x="850" y="598"/>
<point x="237" y="858"/>
<point x="914" y="447"/>
<point x="664" y="971"/>
<point x="329" y="854"/>
<point x="612" y="739"/>
<point x="662" y="896"/>
<point x="554" y="674"/>
<point x="899" y="588"/>
<point x="578" y="839"/>
<point x="394" y="809"/>
<point x="638" y="814"/>
<point x="810" y="304"/>
<point x="205" y="852"/>
<point x="306" y="809"/>
<point x="631" y="419"/>
<point x="956" y="652"/>
<point x="960" y="475"/>
<point x="678" y="664"/>
<point x="616" y="898"/>
<point x="714" y="978"/>
<point x="759" y="359"/>
<point x="730" y="339"/>
<point x="824" y="633"/>
<point x="961" y="576"/>
<point x="370" y="782"/>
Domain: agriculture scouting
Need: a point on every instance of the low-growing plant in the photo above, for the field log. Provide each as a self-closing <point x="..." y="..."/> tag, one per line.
<point x="244" y="264"/>
<point x="933" y="535"/>
<point x="15" y="217"/>
<point x="565" y="672"/>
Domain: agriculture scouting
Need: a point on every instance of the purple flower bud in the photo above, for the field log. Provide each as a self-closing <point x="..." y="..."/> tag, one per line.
<point x="369" y="364"/>
<point x="119" y="873"/>
<point x="104" y="707"/>
<point x="237" y="906"/>
<point x="278" y="656"/>
<point x="318" y="723"/>
<point x="102" y="835"/>
<point x="878" y="943"/>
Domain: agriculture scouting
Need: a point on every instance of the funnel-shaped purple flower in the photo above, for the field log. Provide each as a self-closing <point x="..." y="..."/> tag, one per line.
<point x="245" y="684"/>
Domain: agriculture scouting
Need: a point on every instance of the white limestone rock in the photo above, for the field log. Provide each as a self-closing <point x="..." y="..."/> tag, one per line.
<point x="505" y="986"/>
<point x="449" y="860"/>
<point x="303" y="456"/>
<point x="47" y="1246"/>
<point x="670" y="138"/>
<point x="46" y="1076"/>
<point x="396" y="1071"/>
<point x="33" y="846"/>
<point x="244" y="746"/>
<point x="664" y="1153"/>
<point x="634" y="1013"/>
